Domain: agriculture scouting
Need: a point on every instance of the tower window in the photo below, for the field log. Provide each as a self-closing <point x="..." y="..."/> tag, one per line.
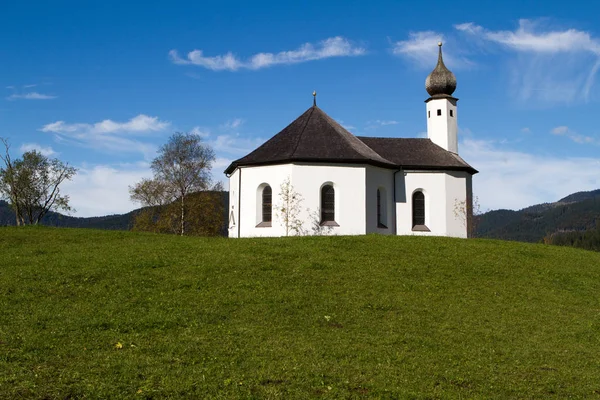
<point x="439" y="111"/>
<point x="452" y="113"/>
<point x="428" y="114"/>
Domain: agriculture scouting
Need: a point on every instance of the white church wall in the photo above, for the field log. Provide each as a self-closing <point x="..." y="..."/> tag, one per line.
<point x="307" y="180"/>
<point x="233" y="203"/>
<point x="432" y="184"/>
<point x="383" y="179"/>
<point x="348" y="183"/>
<point x="456" y="192"/>
<point x="253" y="179"/>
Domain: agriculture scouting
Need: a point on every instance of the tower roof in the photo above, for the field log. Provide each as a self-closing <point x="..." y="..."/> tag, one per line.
<point x="441" y="82"/>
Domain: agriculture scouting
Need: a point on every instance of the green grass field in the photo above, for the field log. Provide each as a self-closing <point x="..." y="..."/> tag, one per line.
<point x="98" y="314"/>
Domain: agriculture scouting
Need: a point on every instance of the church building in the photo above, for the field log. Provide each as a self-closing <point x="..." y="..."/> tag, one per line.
<point x="354" y="185"/>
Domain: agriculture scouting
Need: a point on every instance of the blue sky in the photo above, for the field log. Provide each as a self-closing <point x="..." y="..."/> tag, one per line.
<point x="101" y="85"/>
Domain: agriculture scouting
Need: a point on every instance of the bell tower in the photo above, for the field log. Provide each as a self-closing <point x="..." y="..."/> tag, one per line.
<point x="442" y="128"/>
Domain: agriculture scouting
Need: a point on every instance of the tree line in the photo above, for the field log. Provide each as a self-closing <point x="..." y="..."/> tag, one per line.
<point x="180" y="198"/>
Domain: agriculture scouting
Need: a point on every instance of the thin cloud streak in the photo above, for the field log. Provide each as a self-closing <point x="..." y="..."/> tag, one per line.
<point x="332" y="47"/>
<point x="31" y="96"/>
<point x="556" y="66"/>
<point x="574" y="136"/>
<point x="108" y="135"/>
<point x="422" y="49"/>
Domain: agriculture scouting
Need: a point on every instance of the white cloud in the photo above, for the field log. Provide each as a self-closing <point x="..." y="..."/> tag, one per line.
<point x="331" y="47"/>
<point x="233" y="124"/>
<point x="549" y="65"/>
<point x="235" y="144"/>
<point x="574" y="136"/>
<point x="386" y="123"/>
<point x="104" y="189"/>
<point x="140" y="123"/>
<point x="108" y="134"/>
<point x="346" y="126"/>
<point x="203" y="133"/>
<point x="422" y="48"/>
<point x="98" y="190"/>
<point x="525" y="38"/>
<point x="514" y="180"/>
<point x="31" y="96"/>
<point x="525" y="130"/>
<point x="380" y="123"/>
<point x="46" y="151"/>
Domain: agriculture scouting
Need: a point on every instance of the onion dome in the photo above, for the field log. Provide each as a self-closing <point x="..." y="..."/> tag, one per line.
<point x="441" y="82"/>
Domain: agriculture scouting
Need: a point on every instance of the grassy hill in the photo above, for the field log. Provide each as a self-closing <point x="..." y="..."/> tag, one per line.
<point x="106" y="314"/>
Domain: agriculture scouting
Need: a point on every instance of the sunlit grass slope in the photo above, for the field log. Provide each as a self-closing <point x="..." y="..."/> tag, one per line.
<point x="98" y="314"/>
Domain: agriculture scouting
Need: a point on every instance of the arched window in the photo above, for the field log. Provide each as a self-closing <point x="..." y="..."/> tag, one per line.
<point x="418" y="204"/>
<point x="327" y="204"/>
<point x="267" y="206"/>
<point x="381" y="209"/>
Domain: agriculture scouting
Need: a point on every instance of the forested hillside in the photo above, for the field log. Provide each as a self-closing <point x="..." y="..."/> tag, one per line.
<point x="576" y="213"/>
<point x="110" y="222"/>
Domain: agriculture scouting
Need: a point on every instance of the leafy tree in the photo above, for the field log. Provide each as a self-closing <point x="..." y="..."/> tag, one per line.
<point x="181" y="169"/>
<point x="31" y="184"/>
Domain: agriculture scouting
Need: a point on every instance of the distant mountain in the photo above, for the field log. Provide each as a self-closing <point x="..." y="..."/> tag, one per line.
<point x="580" y="196"/>
<point x="110" y="222"/>
<point x="577" y="212"/>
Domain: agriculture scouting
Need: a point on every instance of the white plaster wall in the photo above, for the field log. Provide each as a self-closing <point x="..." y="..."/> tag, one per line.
<point x="307" y="180"/>
<point x="355" y="198"/>
<point x="233" y="204"/>
<point x="443" y="129"/>
<point x="456" y="193"/>
<point x="252" y="178"/>
<point x="380" y="178"/>
<point x="432" y="184"/>
<point x="348" y="183"/>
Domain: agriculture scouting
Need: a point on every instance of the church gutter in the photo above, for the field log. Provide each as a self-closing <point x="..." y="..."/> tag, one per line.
<point x="239" y="201"/>
<point x="395" y="206"/>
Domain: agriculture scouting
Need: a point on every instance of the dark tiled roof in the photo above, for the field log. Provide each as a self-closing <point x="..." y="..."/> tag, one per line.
<point x="416" y="153"/>
<point x="316" y="137"/>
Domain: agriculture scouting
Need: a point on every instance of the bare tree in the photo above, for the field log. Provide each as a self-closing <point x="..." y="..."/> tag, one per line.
<point x="290" y="207"/>
<point x="181" y="168"/>
<point x="468" y="212"/>
<point x="31" y="184"/>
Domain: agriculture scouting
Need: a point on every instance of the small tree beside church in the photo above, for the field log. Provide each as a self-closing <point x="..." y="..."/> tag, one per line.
<point x="180" y="196"/>
<point x="290" y="207"/>
<point x="468" y="212"/>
